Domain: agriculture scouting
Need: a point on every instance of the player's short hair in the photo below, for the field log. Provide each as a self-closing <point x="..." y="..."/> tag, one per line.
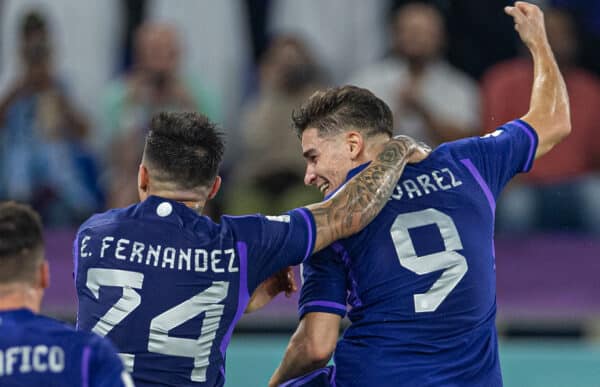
<point x="339" y="109"/>
<point x="21" y="243"/>
<point x="184" y="149"/>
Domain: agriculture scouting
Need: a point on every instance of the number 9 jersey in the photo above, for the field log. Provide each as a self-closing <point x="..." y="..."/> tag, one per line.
<point x="167" y="285"/>
<point x="420" y="279"/>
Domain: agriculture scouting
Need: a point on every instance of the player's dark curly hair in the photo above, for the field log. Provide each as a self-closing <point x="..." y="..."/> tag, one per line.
<point x="343" y="108"/>
<point x="184" y="149"/>
<point x="21" y="242"/>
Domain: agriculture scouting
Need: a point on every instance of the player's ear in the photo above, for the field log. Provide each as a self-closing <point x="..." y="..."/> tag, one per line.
<point x="143" y="179"/>
<point x="355" y="142"/>
<point x="215" y="187"/>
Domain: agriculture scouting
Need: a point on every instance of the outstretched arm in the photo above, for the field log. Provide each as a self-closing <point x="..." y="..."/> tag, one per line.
<point x="353" y="207"/>
<point x="310" y="347"/>
<point x="549" y="112"/>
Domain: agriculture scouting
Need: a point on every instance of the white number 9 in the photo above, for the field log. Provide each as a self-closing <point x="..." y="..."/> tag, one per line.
<point x="454" y="263"/>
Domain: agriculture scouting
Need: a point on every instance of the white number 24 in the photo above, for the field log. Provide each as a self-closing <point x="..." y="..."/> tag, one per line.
<point x="159" y="340"/>
<point x="449" y="259"/>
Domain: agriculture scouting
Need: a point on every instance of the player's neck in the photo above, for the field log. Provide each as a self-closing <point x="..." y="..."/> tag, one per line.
<point x="192" y="200"/>
<point x="19" y="296"/>
<point x="372" y="148"/>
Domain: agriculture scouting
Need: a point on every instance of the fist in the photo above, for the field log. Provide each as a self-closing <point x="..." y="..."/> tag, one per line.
<point x="282" y="282"/>
<point x="529" y="23"/>
<point x="419" y="153"/>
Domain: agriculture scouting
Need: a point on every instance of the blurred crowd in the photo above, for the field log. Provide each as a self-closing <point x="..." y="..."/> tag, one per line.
<point x="80" y="79"/>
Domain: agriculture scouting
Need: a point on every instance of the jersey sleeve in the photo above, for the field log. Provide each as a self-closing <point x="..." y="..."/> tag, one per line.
<point x="104" y="368"/>
<point x="497" y="157"/>
<point x="324" y="284"/>
<point x="273" y="242"/>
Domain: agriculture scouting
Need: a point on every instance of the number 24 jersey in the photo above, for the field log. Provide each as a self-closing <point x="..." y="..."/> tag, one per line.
<point x="167" y="285"/>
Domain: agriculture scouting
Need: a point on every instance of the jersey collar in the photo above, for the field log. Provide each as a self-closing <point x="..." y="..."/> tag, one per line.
<point x="353" y="172"/>
<point x="17" y="314"/>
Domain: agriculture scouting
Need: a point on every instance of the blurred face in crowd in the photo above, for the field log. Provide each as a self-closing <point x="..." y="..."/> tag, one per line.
<point x="561" y="35"/>
<point x="329" y="158"/>
<point x="287" y="65"/>
<point x="157" y="49"/>
<point x="36" y="55"/>
<point x="418" y="32"/>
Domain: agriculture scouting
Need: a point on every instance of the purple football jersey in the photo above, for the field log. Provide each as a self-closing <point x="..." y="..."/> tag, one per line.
<point x="39" y="351"/>
<point x="420" y="279"/>
<point x="167" y="285"/>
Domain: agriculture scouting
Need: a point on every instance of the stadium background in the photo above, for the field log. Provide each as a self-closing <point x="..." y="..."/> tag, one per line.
<point x="70" y="143"/>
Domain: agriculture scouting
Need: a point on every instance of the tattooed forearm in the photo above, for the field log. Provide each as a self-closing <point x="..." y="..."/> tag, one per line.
<point x="363" y="197"/>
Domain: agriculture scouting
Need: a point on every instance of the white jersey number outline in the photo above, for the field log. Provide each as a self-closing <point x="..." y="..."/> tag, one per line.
<point x="455" y="264"/>
<point x="159" y="340"/>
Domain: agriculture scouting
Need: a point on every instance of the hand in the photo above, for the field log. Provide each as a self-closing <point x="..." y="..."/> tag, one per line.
<point x="529" y="23"/>
<point x="418" y="151"/>
<point x="283" y="281"/>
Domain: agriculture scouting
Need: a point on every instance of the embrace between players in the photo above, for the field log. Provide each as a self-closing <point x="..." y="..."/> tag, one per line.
<point x="405" y="236"/>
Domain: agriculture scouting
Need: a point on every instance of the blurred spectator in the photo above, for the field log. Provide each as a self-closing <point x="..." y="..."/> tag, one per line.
<point x="588" y="10"/>
<point x="216" y="39"/>
<point x="345" y="35"/>
<point x="269" y="176"/>
<point x="85" y="46"/>
<point x="587" y="16"/>
<point x="562" y="190"/>
<point x="43" y="161"/>
<point x="431" y="100"/>
<point x="154" y="84"/>
<point x="470" y="26"/>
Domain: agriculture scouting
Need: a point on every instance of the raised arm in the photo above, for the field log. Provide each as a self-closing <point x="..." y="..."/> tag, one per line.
<point x="354" y="206"/>
<point x="549" y="112"/>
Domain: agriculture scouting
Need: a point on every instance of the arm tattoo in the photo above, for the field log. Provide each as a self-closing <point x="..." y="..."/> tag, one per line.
<point x="363" y="197"/>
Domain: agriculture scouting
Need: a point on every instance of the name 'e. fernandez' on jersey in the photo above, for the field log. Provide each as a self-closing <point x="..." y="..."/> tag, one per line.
<point x="420" y="279"/>
<point x="38" y="351"/>
<point x="167" y="285"/>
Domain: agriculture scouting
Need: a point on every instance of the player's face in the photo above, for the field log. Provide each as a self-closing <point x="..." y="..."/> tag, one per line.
<point x="328" y="160"/>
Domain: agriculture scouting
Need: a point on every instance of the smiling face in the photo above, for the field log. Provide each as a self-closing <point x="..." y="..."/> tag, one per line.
<point x="328" y="158"/>
<point x="341" y="128"/>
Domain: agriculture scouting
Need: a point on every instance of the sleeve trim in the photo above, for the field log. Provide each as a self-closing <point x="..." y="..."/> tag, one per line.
<point x="322" y="306"/>
<point x="310" y="222"/>
<point x="327" y="304"/>
<point x="533" y="142"/>
<point x="484" y="187"/>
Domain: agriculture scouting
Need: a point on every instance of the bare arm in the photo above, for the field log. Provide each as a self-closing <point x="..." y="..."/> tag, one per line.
<point x="549" y="112"/>
<point x="310" y="347"/>
<point x="283" y="281"/>
<point x="362" y="198"/>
